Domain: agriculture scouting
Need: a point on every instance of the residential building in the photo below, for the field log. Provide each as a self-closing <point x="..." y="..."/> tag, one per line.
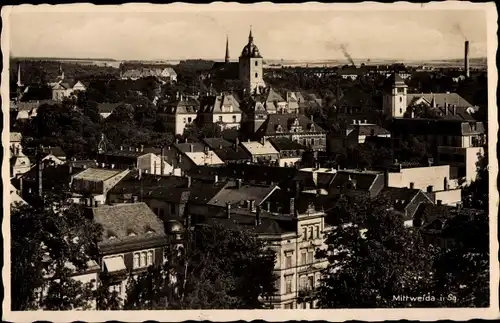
<point x="296" y="127"/>
<point x="66" y="88"/>
<point x="136" y="158"/>
<point x="223" y="110"/>
<point x="435" y="181"/>
<point x="290" y="152"/>
<point x="355" y="133"/>
<point x="295" y="230"/>
<point x="163" y="74"/>
<point x="133" y="239"/>
<point x="93" y="184"/>
<point x="406" y="201"/>
<point x="180" y="112"/>
<point x="106" y="109"/>
<point x="262" y="152"/>
<point x="15" y="142"/>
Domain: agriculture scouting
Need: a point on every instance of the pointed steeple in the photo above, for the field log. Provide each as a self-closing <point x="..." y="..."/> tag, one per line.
<point x="19" y="82"/>
<point x="433" y="102"/>
<point x="61" y="72"/>
<point x="250" y="37"/>
<point x="227" y="50"/>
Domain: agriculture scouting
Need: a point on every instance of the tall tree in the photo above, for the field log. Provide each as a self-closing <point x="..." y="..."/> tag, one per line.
<point x="217" y="269"/>
<point x="367" y="269"/>
<point x="49" y="244"/>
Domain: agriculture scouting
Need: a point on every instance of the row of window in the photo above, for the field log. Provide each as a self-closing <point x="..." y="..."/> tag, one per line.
<point x="143" y="259"/>
<point x="188" y="120"/>
<point x="306" y="257"/>
<point x="305" y="282"/>
<point x="234" y="119"/>
<point x="311" y="232"/>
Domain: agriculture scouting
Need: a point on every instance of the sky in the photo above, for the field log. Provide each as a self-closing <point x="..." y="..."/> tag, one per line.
<point x="296" y="34"/>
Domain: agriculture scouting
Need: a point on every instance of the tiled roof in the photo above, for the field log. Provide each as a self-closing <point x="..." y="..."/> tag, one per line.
<point x="127" y="223"/>
<point x="215" y="104"/>
<point x="239" y="222"/>
<point x="96" y="174"/>
<point x="257" y="148"/>
<point x="202" y="158"/>
<point x="232" y="154"/>
<point x="190" y="147"/>
<point x="394" y="79"/>
<point x="283" y="143"/>
<point x="371" y="129"/>
<point x="247" y="192"/>
<point x="282" y="123"/>
<point x="182" y="105"/>
<point x="132" y="183"/>
<point x="82" y="163"/>
<point x="56" y="151"/>
<point x="363" y="179"/>
<point x="53" y="177"/>
<point x="440" y="99"/>
<point x="214" y="143"/>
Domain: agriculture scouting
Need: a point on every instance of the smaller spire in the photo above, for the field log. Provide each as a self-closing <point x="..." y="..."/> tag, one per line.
<point x="250" y="37"/>
<point x="19" y="82"/>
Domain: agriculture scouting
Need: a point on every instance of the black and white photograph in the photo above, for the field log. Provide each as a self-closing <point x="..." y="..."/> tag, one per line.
<point x="265" y="157"/>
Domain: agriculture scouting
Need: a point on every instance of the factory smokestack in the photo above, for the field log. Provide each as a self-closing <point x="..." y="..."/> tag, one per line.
<point x="466" y="59"/>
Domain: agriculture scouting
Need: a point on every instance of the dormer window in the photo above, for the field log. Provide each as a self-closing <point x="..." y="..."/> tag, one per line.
<point x="279" y="128"/>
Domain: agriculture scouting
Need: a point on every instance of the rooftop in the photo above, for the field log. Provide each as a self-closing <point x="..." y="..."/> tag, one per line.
<point x="259" y="148"/>
<point x="96" y="174"/>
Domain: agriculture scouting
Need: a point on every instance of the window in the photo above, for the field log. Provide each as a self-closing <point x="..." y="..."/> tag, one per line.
<point x="143" y="259"/>
<point x="256" y="63"/>
<point x="312" y="141"/>
<point x="288" y="259"/>
<point x="302" y="282"/>
<point x="256" y="75"/>
<point x="184" y="120"/>
<point x="189" y="120"/>
<point x="220" y="119"/>
<point x="161" y="213"/>
<point x="234" y="118"/>
<point x="289" y="306"/>
<point x="304" y="233"/>
<point x="400" y="99"/>
<point x="304" y="306"/>
<point x="311" y="233"/>
<point x="310" y="282"/>
<point x="288" y="283"/>
<point x="310" y="257"/>
<point x="303" y="257"/>
<point x="150" y="258"/>
<point x="317" y="231"/>
<point x="136" y="260"/>
<point x="304" y="142"/>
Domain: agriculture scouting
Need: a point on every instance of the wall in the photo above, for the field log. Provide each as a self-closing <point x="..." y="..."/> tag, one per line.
<point x="232" y="120"/>
<point x="451" y="197"/>
<point x="289" y="161"/>
<point x="422" y="177"/>
<point x="471" y="159"/>
<point x="149" y="161"/>
<point x="110" y="183"/>
<point x="181" y="121"/>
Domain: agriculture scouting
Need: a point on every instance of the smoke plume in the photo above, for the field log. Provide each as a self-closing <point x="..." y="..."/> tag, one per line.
<point x="344" y="51"/>
<point x="457" y="29"/>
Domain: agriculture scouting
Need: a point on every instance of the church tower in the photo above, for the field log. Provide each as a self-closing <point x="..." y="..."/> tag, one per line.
<point x="19" y="81"/>
<point x="226" y="59"/>
<point x="250" y="67"/>
<point x="395" y="102"/>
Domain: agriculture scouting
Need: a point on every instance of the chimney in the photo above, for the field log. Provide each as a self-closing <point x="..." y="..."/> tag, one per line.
<point x="121" y="147"/>
<point x="161" y="161"/>
<point x="70" y="168"/>
<point x="312" y="118"/>
<point x="134" y="199"/>
<point x="258" y="221"/>
<point x="268" y="205"/>
<point x="216" y="178"/>
<point x="439" y="202"/>
<point x="430" y="189"/>
<point x="386" y="177"/>
<point x="188" y="178"/>
<point x="454" y="110"/>
<point x="466" y="59"/>
<point x="96" y="203"/>
<point x="228" y="210"/>
<point x="236" y="144"/>
<point x="140" y="173"/>
<point x="292" y="206"/>
<point x="238" y="183"/>
<point x="412" y="185"/>
<point x="142" y="148"/>
<point x="191" y="148"/>
<point x="252" y="205"/>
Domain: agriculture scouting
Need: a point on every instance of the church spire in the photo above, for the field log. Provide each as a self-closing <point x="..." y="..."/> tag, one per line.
<point x="61" y="72"/>
<point x="227" y="50"/>
<point x="250" y="37"/>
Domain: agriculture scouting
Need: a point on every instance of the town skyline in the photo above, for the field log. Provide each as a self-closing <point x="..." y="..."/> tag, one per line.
<point x="313" y="35"/>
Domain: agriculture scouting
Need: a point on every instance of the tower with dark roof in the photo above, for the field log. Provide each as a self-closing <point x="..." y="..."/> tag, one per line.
<point x="250" y="66"/>
<point x="227" y="50"/>
<point x="395" y="99"/>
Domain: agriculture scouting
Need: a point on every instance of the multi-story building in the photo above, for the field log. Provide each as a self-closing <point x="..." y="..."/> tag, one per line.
<point x="133" y="239"/>
<point x="261" y="151"/>
<point x="221" y="109"/>
<point x="180" y="112"/>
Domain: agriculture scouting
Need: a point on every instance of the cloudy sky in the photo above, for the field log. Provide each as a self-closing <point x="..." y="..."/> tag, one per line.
<point x="293" y="34"/>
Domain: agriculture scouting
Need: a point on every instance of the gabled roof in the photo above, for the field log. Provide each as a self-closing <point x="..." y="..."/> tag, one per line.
<point x="125" y="153"/>
<point x="283" y="123"/>
<point x="439" y="98"/>
<point x="370" y="129"/>
<point x="15" y="137"/>
<point x="190" y="147"/>
<point x="362" y="179"/>
<point x="232" y="154"/>
<point x="204" y="158"/>
<point x="56" y="151"/>
<point x="182" y="105"/>
<point x="215" y="104"/>
<point x="436" y="126"/>
<point x="96" y="174"/>
<point x="127" y="222"/>
<point x="400" y="196"/>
